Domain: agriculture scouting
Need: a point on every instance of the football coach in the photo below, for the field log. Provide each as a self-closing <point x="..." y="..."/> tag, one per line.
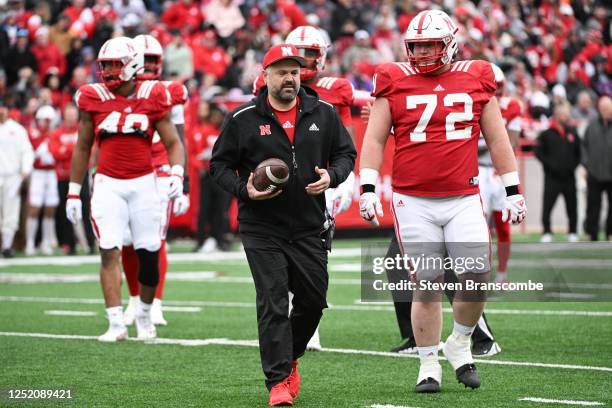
<point x="283" y="231"/>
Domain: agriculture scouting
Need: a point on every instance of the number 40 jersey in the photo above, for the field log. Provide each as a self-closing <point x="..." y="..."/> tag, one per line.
<point x="436" y="124"/>
<point x="124" y="126"/>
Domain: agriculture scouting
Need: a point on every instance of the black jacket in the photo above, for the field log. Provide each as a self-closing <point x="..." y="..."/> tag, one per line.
<point x="559" y="151"/>
<point x="320" y="140"/>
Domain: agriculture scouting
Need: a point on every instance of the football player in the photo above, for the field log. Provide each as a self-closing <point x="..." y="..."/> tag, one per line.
<point x="121" y="115"/>
<point x="43" y="183"/>
<point x="153" y="54"/>
<point x="491" y="186"/>
<point x="438" y="108"/>
<point x="312" y="46"/>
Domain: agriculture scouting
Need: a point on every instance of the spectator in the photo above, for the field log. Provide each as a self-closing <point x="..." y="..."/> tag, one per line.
<point x="558" y="148"/>
<point x="20" y="57"/>
<point x="208" y="58"/>
<point x="47" y="54"/>
<point x="183" y="14"/>
<point x="346" y="19"/>
<point x="125" y="7"/>
<point x="584" y="112"/>
<point x="597" y="158"/>
<point x="178" y="60"/>
<point x="225" y="16"/>
<point x="361" y="52"/>
<point x="16" y="159"/>
<point x="59" y="34"/>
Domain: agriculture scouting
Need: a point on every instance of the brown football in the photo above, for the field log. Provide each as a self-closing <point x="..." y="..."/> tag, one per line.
<point x="271" y="174"/>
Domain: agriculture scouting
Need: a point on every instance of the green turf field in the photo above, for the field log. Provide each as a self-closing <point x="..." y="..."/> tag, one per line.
<point x="208" y="356"/>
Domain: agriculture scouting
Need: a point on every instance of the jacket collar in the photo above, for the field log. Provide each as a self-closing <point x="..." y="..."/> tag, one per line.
<point x="309" y="100"/>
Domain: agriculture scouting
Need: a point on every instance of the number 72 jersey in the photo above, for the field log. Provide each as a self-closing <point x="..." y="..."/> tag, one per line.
<point x="436" y="124"/>
<point x="124" y="126"/>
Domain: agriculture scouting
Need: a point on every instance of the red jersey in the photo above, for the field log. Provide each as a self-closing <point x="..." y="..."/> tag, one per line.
<point x="178" y="96"/>
<point x="123" y="126"/>
<point x="37" y="138"/>
<point x="436" y="122"/>
<point x="511" y="111"/>
<point x="61" y="145"/>
<point x="337" y="91"/>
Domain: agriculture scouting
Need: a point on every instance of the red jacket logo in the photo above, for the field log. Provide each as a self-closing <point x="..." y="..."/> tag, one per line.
<point x="264" y="130"/>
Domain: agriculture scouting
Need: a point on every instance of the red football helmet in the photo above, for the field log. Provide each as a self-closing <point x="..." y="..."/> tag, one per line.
<point x="431" y="26"/>
<point x="153" y="53"/>
<point x="118" y="61"/>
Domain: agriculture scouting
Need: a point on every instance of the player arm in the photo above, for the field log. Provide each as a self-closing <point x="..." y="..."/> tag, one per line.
<point x="81" y="152"/>
<point x="375" y="139"/>
<point x="170" y="138"/>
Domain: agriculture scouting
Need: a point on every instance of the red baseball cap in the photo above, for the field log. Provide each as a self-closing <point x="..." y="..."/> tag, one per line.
<point x="281" y="52"/>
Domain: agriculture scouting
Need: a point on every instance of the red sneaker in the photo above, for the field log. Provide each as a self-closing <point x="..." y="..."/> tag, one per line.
<point x="280" y="395"/>
<point x="294" y="380"/>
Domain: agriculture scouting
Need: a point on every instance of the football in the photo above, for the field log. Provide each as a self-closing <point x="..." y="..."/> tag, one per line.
<point x="271" y="174"/>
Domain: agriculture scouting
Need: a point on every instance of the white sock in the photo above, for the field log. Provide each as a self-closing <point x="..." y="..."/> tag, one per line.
<point x="115" y="315"/>
<point x="31" y="225"/>
<point x="48" y="229"/>
<point x="501" y="275"/>
<point x="144" y="309"/>
<point x="7" y="240"/>
<point x="428" y="354"/>
<point x="461" y="330"/>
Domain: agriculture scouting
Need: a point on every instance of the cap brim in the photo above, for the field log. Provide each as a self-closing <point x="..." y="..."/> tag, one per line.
<point x="296" y="58"/>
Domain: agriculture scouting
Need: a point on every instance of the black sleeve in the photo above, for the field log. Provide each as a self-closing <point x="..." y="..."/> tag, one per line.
<point x="225" y="159"/>
<point x="342" y="155"/>
<point x="541" y="150"/>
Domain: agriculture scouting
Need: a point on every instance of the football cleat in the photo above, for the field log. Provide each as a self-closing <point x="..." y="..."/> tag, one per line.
<point x="114" y="334"/>
<point x="430" y="377"/>
<point x="468" y="376"/>
<point x="314" y="344"/>
<point x="407" y="347"/>
<point x="129" y="316"/>
<point x="145" y="329"/>
<point x="457" y="352"/>
<point x="157" y="317"/>
<point x="294" y="380"/>
<point x="487" y="348"/>
<point x="280" y="395"/>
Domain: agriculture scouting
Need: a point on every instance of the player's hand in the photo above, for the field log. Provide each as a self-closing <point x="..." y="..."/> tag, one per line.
<point x="74" y="209"/>
<point x="514" y="209"/>
<point x="365" y="112"/>
<point x="180" y="205"/>
<point x="343" y="195"/>
<point x="369" y="207"/>
<point x="175" y="188"/>
<point x="254" y="194"/>
<point x="320" y="186"/>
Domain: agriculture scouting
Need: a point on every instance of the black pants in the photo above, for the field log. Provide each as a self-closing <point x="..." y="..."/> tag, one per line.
<point x="214" y="206"/>
<point x="594" y="190"/>
<point x="64" y="228"/>
<point x="403" y="306"/>
<point x="279" y="266"/>
<point x="554" y="186"/>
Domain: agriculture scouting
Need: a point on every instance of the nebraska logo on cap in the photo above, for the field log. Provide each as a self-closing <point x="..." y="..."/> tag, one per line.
<point x="281" y="52"/>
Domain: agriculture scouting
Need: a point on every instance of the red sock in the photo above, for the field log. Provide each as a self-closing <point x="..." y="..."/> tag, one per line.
<point x="163" y="268"/>
<point x="503" y="241"/>
<point x="129" y="260"/>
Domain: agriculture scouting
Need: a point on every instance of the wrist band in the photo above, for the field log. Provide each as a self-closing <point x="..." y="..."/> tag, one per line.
<point x="368" y="176"/>
<point x="177" y="170"/>
<point x="511" y="183"/>
<point x="368" y="188"/>
<point x="74" y="189"/>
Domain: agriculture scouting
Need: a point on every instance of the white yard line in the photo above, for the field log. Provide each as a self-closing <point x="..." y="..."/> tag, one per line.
<point x="5" y="277"/>
<point x="563" y="402"/>
<point x="389" y="406"/>
<point x="253" y="343"/>
<point x="368" y="307"/>
<point x="76" y="313"/>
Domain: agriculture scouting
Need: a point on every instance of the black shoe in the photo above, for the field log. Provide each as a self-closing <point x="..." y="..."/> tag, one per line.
<point x="468" y="376"/>
<point x="8" y="253"/>
<point x="428" y="385"/>
<point x="485" y="348"/>
<point x="407" y="347"/>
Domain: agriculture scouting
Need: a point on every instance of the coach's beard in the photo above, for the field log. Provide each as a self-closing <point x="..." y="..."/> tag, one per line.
<point x="286" y="93"/>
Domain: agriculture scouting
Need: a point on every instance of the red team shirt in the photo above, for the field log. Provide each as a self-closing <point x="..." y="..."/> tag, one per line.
<point x="436" y="125"/>
<point x="36" y="139"/>
<point x="61" y="145"/>
<point x="129" y="122"/>
<point x="337" y="91"/>
<point x="178" y="96"/>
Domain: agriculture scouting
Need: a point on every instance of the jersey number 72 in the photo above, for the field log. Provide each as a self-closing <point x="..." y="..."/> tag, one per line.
<point x="430" y="101"/>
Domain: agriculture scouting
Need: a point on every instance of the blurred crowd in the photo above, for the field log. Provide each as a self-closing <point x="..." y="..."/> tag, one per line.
<point x="551" y="51"/>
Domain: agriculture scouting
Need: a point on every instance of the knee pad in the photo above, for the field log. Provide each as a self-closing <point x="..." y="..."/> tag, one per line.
<point x="148" y="271"/>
